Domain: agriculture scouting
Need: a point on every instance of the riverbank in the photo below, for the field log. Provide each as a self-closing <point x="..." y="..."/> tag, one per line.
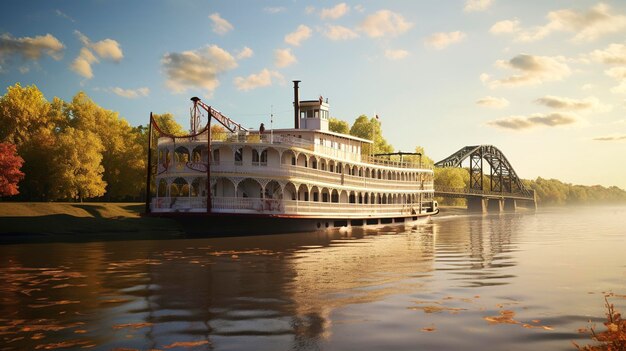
<point x="59" y="221"/>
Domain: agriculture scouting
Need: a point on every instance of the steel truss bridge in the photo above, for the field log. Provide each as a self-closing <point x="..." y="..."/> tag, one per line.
<point x="504" y="188"/>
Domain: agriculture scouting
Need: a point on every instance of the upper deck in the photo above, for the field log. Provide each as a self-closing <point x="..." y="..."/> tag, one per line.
<point x="338" y="146"/>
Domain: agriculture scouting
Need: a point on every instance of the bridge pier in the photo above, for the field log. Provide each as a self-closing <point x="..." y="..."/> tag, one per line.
<point x="476" y="204"/>
<point x="510" y="205"/>
<point x="494" y="205"/>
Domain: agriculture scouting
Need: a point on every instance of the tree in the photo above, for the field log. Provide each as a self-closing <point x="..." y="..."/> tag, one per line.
<point x="123" y="156"/>
<point x="370" y="129"/>
<point x="23" y="111"/>
<point x="77" y="157"/>
<point x="168" y="124"/>
<point x="338" y="126"/>
<point x="451" y="177"/>
<point x="10" y="174"/>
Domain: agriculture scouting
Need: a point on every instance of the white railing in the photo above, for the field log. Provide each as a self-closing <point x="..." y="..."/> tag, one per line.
<point x="288" y="207"/>
<point x="317" y="175"/>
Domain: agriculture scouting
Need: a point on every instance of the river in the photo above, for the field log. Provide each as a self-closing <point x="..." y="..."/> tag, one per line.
<point x="511" y="281"/>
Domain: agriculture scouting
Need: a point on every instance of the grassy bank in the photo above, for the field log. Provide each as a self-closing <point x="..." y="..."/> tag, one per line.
<point x="55" y="221"/>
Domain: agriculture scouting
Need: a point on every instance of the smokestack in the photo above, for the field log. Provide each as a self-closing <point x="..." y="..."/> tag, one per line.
<point x="296" y="105"/>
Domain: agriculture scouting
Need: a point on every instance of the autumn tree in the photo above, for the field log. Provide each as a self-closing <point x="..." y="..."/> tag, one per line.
<point x="77" y="159"/>
<point x="123" y="157"/>
<point x="10" y="174"/>
<point x="23" y="111"/>
<point x="338" y="126"/>
<point x="370" y="129"/>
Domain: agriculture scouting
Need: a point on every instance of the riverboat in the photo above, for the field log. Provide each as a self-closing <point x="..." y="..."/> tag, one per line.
<point x="305" y="178"/>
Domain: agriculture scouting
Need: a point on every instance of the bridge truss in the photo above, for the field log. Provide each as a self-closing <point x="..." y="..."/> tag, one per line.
<point x="503" y="178"/>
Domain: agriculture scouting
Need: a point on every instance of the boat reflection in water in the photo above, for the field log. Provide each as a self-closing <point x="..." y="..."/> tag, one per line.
<point x="151" y="294"/>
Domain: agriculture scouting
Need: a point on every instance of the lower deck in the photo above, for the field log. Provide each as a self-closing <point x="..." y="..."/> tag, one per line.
<point x="222" y="224"/>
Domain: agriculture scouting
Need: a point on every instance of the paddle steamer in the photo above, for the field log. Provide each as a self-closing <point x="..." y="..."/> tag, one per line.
<point x="304" y="178"/>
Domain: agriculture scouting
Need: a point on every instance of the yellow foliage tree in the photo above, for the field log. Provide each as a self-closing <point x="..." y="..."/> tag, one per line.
<point x="77" y="159"/>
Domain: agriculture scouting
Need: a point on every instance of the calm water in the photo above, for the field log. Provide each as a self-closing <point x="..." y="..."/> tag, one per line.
<point x="514" y="282"/>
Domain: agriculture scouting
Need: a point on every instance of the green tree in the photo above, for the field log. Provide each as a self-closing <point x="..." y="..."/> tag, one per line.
<point x="77" y="157"/>
<point x="370" y="129"/>
<point x="338" y="126"/>
<point x="10" y="174"/>
<point x="451" y="177"/>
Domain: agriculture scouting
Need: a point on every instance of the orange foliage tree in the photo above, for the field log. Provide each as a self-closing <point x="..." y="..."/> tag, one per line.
<point x="10" y="174"/>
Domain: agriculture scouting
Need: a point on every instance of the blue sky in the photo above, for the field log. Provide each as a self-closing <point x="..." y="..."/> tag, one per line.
<point x="545" y="81"/>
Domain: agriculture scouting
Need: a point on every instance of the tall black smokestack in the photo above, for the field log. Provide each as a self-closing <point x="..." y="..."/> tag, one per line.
<point x="296" y="105"/>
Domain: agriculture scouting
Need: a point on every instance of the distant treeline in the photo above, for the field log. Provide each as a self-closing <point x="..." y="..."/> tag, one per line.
<point x="555" y="192"/>
<point x="549" y="192"/>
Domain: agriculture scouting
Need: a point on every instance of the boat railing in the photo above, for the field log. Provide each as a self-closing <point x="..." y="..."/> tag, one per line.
<point x="291" y="171"/>
<point x="380" y="160"/>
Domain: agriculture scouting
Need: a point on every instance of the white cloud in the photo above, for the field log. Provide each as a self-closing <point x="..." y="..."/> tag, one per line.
<point x="532" y="70"/>
<point x="130" y="93"/>
<point x="477" y="5"/>
<point x="359" y="8"/>
<point x="274" y="10"/>
<point x="284" y="58"/>
<point x="220" y="25"/>
<point x="535" y="120"/>
<point x="383" y="23"/>
<point x="107" y="49"/>
<point x="196" y="69"/>
<point x="586" y="25"/>
<point x="259" y="80"/>
<point x="396" y="54"/>
<point x="493" y="102"/>
<point x="30" y="48"/>
<point x="245" y="53"/>
<point x="563" y="103"/>
<point x="296" y="38"/>
<point x="82" y="63"/>
<point x="505" y="27"/>
<point x="309" y="10"/>
<point x="614" y="54"/>
<point x="619" y="74"/>
<point x="442" y="40"/>
<point x="336" y="33"/>
<point x="335" y="12"/>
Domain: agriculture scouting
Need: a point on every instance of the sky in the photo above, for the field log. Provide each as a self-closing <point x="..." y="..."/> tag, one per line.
<point x="544" y="81"/>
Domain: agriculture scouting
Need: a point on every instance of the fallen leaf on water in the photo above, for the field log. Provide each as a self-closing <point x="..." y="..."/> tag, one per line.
<point x="505" y="317"/>
<point x="437" y="309"/>
<point x="430" y="329"/>
<point x="63" y="344"/>
<point x="53" y="303"/>
<point x="132" y="325"/>
<point x="186" y="344"/>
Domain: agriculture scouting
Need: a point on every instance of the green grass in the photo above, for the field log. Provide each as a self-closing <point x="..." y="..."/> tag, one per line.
<point x="60" y="221"/>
